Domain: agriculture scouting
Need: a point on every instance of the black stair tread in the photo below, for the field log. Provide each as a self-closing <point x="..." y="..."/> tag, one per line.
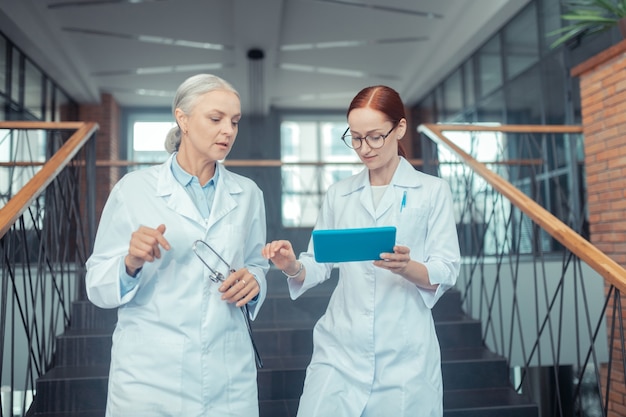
<point x="278" y="408"/>
<point x="270" y="362"/>
<point x="265" y="326"/>
<point x="303" y="324"/>
<point x="262" y="325"/>
<point x="64" y="373"/>
<point x="484" y="398"/>
<point x="90" y="413"/>
<point x="455" y="318"/>
<point x="469" y="354"/>
<point x="285" y="363"/>
<point x="87" y="332"/>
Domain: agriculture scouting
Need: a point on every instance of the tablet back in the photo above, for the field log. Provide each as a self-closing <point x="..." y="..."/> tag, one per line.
<point x="348" y="245"/>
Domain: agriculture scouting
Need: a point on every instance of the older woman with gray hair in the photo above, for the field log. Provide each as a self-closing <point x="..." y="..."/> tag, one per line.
<point x="181" y="346"/>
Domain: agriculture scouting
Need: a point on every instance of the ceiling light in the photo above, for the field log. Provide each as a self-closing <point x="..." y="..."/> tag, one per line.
<point x="349" y="44"/>
<point x="322" y="70"/>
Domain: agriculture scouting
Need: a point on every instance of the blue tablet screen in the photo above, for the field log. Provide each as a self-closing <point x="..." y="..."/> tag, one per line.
<point x="349" y="245"/>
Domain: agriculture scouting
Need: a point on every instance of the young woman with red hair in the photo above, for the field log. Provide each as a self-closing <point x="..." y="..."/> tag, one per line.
<point x="376" y="352"/>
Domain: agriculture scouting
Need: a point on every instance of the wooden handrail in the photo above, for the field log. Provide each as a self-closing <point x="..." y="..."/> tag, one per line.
<point x="504" y="128"/>
<point x="595" y="258"/>
<point x="110" y="163"/>
<point x="37" y="184"/>
<point x="21" y="125"/>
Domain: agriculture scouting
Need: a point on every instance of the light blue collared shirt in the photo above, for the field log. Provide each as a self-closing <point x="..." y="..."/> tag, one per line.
<point x="201" y="195"/>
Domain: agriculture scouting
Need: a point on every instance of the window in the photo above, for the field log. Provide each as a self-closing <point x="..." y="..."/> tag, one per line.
<point x="146" y="137"/>
<point x="23" y="146"/>
<point x="521" y="43"/>
<point x="489" y="67"/>
<point x="485" y="147"/>
<point x="3" y="65"/>
<point x="313" y="157"/>
<point x="33" y="90"/>
<point x="452" y="95"/>
<point x="15" y="76"/>
<point x="149" y="139"/>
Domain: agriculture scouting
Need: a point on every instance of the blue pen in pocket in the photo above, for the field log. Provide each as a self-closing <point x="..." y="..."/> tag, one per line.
<point x="403" y="203"/>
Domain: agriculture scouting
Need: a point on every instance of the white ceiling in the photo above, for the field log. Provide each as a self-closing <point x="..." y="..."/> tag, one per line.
<point x="317" y="53"/>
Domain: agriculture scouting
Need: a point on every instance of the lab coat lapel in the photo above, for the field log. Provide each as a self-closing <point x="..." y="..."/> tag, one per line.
<point x="386" y="202"/>
<point x="361" y="182"/>
<point x="405" y="176"/>
<point x="366" y="198"/>
<point x="224" y="201"/>
<point x="177" y="198"/>
<point x="366" y="201"/>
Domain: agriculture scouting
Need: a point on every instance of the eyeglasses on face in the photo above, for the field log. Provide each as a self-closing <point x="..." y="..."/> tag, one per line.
<point x="373" y="141"/>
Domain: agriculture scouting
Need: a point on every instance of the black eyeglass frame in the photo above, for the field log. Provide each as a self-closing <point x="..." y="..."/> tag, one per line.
<point x="349" y="145"/>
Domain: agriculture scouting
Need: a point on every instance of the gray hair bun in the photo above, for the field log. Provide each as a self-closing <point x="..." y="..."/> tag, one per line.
<point x="172" y="140"/>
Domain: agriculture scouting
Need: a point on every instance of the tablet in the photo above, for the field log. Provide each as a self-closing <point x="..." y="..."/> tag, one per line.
<point x="348" y="245"/>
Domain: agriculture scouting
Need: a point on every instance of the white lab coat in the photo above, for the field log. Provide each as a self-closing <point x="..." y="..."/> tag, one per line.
<point x="376" y="352"/>
<point x="178" y="349"/>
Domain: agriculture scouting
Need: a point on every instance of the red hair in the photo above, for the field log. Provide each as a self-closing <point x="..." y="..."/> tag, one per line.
<point x="384" y="99"/>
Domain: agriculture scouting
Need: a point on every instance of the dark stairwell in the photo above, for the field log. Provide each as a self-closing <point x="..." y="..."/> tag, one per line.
<point x="476" y="381"/>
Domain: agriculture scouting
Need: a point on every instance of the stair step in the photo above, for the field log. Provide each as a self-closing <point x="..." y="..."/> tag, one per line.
<point x="282" y="380"/>
<point x="278" y="306"/>
<point x="84" y="347"/>
<point x="459" y="331"/>
<point x="469" y="368"/>
<point x="84" y="388"/>
<point x="495" y="402"/>
<point x="283" y="309"/>
<point x="85" y="315"/>
<point x="278" y="408"/>
<point x="90" y="413"/>
<point x="283" y="376"/>
<point x="284" y="342"/>
<point x="72" y="389"/>
<point x="506" y="402"/>
<point x="87" y="347"/>
<point x="476" y="380"/>
<point x="471" y="403"/>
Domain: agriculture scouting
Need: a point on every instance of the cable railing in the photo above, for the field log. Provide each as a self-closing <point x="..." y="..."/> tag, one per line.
<point x="46" y="187"/>
<point x="549" y="301"/>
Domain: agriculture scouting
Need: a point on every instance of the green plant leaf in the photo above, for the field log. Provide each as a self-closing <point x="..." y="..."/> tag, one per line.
<point x="568" y="36"/>
<point x="587" y="17"/>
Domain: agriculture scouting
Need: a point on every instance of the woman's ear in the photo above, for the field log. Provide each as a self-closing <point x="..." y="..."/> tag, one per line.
<point x="401" y="129"/>
<point x="181" y="119"/>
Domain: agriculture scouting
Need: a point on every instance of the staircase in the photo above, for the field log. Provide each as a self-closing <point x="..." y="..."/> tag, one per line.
<point x="476" y="381"/>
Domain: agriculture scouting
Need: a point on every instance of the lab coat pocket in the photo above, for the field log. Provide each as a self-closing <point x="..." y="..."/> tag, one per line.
<point x="146" y="374"/>
<point x="236" y="237"/>
<point x="412" y="226"/>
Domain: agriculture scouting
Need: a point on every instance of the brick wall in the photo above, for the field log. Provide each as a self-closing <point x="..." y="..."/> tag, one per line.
<point x="603" y="99"/>
<point x="107" y="115"/>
